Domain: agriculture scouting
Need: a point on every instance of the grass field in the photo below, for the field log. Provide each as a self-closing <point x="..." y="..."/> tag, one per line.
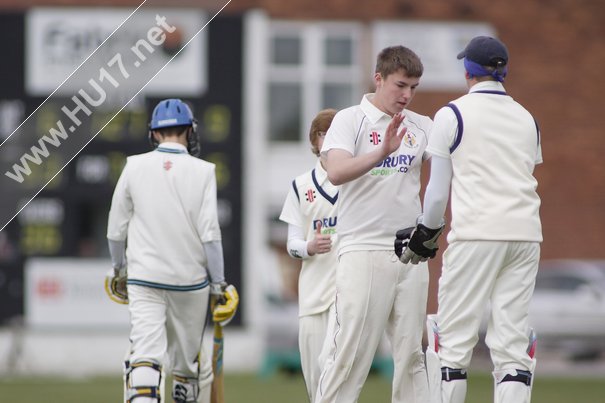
<point x="282" y="388"/>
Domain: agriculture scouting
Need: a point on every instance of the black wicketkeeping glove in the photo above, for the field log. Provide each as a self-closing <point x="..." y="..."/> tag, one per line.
<point x="402" y="237"/>
<point x="422" y="245"/>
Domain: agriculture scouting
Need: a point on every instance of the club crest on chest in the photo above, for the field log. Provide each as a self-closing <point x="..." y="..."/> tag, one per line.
<point x="409" y="140"/>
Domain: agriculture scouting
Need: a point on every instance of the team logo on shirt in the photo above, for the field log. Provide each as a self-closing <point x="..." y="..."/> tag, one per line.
<point x="310" y="195"/>
<point x="409" y="139"/>
<point x="375" y="138"/>
<point x="394" y="164"/>
<point x="328" y="225"/>
<point x="167" y="165"/>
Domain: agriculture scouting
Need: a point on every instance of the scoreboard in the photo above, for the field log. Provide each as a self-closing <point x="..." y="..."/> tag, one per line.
<point x="68" y="218"/>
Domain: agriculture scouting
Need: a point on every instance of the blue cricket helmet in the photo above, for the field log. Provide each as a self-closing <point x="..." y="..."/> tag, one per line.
<point x="169" y="113"/>
<point x="174" y="112"/>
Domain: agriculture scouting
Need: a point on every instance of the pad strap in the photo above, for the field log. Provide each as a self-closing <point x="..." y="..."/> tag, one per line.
<point x="522" y="376"/>
<point x="143" y="391"/>
<point x="452" y="374"/>
<point x="153" y="365"/>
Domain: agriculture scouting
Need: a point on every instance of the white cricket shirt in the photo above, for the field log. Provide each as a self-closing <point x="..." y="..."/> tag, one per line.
<point x="493" y="151"/>
<point x="374" y="206"/>
<point x="164" y="204"/>
<point x="312" y="199"/>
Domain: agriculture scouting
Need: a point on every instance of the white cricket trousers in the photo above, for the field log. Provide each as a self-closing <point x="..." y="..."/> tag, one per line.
<point x="475" y="274"/>
<point x="169" y="322"/>
<point x="312" y="331"/>
<point x="376" y="292"/>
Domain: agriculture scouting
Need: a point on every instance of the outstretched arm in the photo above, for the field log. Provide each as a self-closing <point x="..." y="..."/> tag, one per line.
<point x="437" y="192"/>
<point x="423" y="242"/>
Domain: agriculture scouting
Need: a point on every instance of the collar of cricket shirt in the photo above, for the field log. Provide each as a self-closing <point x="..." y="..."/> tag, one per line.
<point x="370" y="110"/>
<point x="172" y="148"/>
<point x="488" y="87"/>
<point x="323" y="184"/>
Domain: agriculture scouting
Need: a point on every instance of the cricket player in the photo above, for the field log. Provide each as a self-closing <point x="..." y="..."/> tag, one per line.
<point x="165" y="206"/>
<point x="485" y="146"/>
<point x="374" y="153"/>
<point x="311" y="214"/>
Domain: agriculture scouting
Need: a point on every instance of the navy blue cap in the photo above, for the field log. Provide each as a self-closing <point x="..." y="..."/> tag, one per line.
<point x="486" y="51"/>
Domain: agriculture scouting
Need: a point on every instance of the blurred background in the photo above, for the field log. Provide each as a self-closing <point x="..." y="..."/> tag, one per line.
<point x="256" y="73"/>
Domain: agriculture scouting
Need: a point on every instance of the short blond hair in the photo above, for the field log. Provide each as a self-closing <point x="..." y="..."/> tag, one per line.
<point x="320" y="124"/>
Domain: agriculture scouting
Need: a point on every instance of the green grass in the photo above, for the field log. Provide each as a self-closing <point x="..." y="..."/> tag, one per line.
<point x="281" y="388"/>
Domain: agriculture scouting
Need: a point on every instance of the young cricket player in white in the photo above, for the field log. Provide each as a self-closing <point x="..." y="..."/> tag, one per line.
<point x="374" y="152"/>
<point x="310" y="210"/>
<point x="165" y="206"/>
<point x="485" y="145"/>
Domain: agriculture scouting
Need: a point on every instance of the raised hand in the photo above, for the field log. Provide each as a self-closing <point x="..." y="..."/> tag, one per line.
<point x="392" y="138"/>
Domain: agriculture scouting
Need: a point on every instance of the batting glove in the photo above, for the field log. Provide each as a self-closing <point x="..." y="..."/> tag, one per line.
<point x="225" y="305"/>
<point x="402" y="237"/>
<point x="115" y="285"/>
<point x="422" y="245"/>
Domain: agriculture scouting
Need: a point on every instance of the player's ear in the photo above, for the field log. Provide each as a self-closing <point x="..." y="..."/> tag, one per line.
<point x="378" y="79"/>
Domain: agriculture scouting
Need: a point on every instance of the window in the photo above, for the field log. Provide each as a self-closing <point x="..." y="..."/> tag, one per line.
<point x="286" y="51"/>
<point x="338" y="52"/>
<point x="337" y="96"/>
<point x="312" y="66"/>
<point x="285" y="104"/>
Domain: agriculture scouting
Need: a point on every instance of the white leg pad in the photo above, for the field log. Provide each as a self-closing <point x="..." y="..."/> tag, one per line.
<point x="432" y="332"/>
<point x="433" y="371"/>
<point x="507" y="391"/>
<point x="512" y="392"/>
<point x="433" y="363"/>
<point x="453" y="391"/>
<point x="143" y="383"/>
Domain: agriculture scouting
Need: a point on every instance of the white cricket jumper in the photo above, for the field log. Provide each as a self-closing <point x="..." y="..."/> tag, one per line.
<point x="165" y="205"/>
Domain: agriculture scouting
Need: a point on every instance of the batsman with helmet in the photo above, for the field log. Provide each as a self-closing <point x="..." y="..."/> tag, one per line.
<point x="485" y="146"/>
<point x="165" y="206"/>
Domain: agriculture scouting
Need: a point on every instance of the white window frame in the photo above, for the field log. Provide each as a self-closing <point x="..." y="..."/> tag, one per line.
<point x="313" y="72"/>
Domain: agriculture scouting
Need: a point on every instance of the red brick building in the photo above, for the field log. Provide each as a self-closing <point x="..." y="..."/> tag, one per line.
<point x="557" y="52"/>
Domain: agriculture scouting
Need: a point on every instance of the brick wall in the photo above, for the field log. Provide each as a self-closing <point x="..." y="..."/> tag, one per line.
<point x="557" y="52"/>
